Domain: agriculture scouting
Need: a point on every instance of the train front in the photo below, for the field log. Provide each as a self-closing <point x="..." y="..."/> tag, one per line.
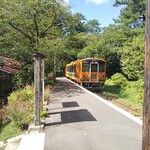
<point x="93" y="72"/>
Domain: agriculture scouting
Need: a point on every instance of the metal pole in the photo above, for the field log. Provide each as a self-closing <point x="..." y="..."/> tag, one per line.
<point x="146" y="105"/>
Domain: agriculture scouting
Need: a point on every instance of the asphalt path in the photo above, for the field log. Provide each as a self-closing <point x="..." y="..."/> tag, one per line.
<point x="77" y="120"/>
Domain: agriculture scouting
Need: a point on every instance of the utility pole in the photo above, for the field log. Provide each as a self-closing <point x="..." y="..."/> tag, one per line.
<point x="146" y="105"/>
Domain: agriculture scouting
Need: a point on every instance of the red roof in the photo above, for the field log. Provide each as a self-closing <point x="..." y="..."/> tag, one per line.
<point x="9" y="65"/>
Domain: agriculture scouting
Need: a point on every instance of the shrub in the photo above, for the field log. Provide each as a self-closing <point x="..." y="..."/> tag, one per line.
<point x="20" y="106"/>
<point x="46" y="93"/>
<point x="140" y="90"/>
<point x="43" y="113"/>
<point x="4" y="118"/>
<point x="21" y="113"/>
<point x="50" y="81"/>
<point x="119" y="79"/>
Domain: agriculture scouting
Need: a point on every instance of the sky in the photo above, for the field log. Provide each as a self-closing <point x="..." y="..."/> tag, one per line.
<point x="102" y="10"/>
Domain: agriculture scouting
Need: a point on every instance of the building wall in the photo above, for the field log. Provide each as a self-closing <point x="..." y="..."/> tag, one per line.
<point x="6" y="85"/>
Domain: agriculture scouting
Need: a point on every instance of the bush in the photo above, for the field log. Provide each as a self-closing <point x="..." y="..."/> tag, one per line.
<point x="139" y="85"/>
<point x="119" y="79"/>
<point x="4" y="118"/>
<point x="50" y="81"/>
<point x="20" y="106"/>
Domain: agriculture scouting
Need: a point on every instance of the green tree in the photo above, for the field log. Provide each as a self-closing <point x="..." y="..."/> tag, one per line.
<point x="132" y="59"/>
<point x="92" y="26"/>
<point x="108" y="46"/>
<point x="26" y="25"/>
<point x="132" y="14"/>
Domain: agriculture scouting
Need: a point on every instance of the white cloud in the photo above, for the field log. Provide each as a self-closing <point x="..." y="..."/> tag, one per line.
<point x="66" y="1"/>
<point x="63" y="2"/>
<point x="98" y="1"/>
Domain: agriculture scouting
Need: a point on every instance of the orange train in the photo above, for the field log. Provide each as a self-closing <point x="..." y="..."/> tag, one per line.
<point x="87" y="72"/>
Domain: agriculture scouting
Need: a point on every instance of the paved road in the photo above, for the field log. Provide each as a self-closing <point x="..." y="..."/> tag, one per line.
<point x="79" y="121"/>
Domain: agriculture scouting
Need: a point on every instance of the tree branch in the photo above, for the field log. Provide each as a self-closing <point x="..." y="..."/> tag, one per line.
<point x="16" y="28"/>
<point x="43" y="34"/>
<point x="36" y="27"/>
<point x="36" y="24"/>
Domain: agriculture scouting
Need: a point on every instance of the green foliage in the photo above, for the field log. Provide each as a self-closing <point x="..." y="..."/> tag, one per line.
<point x="1" y="61"/>
<point x="93" y="26"/>
<point x="137" y="89"/>
<point x="20" y="106"/>
<point x="34" y="19"/>
<point x="131" y="91"/>
<point x="50" y="81"/>
<point x="51" y="28"/>
<point x="18" y="114"/>
<point x="34" y="26"/>
<point x="106" y="45"/>
<point x="43" y="113"/>
<point x="4" y="117"/>
<point x="132" y="58"/>
<point x="119" y="80"/>
<point x="130" y="15"/>
<point x="46" y="93"/>
<point x="9" y="130"/>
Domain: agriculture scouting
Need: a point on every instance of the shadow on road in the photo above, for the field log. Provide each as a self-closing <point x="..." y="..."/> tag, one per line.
<point x="57" y="108"/>
<point x="70" y="104"/>
<point x="70" y="117"/>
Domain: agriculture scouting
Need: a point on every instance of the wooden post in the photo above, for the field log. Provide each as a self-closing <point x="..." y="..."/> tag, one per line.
<point x="37" y="87"/>
<point x="146" y="105"/>
<point x="42" y="76"/>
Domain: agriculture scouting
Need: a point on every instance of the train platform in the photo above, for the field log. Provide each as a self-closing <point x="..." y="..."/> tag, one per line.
<point x="80" y="120"/>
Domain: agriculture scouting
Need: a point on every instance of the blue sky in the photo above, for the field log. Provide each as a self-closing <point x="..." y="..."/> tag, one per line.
<point x="102" y="10"/>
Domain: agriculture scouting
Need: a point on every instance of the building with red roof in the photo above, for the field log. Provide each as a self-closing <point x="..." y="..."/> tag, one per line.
<point x="8" y="65"/>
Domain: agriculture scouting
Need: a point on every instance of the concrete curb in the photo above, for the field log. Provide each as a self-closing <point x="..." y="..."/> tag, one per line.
<point x="13" y="141"/>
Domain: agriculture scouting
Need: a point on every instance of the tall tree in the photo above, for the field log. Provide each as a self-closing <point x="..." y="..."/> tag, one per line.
<point x="132" y="14"/>
<point x="92" y="26"/>
<point x="26" y="25"/>
<point x="132" y="58"/>
<point x="108" y="46"/>
<point x="34" y="19"/>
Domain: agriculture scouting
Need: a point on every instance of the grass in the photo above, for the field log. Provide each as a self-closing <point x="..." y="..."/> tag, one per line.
<point x="20" y="111"/>
<point x="9" y="130"/>
<point x="130" y="94"/>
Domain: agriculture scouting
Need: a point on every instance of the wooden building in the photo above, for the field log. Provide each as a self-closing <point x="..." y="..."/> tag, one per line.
<point x="8" y="68"/>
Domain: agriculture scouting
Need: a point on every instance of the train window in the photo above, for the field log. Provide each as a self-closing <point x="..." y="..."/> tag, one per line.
<point x="71" y="68"/>
<point x="94" y="68"/>
<point x="74" y="68"/>
<point x="85" y="66"/>
<point x="101" y="66"/>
